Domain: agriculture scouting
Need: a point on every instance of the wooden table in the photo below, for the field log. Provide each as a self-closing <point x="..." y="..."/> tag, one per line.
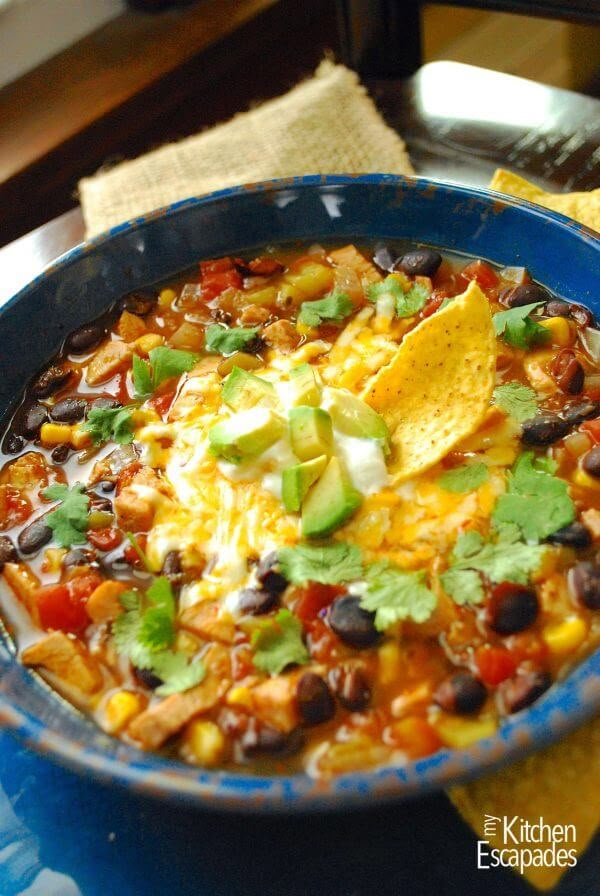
<point x="460" y="123"/>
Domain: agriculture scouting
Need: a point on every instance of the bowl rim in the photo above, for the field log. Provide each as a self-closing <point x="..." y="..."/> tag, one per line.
<point x="572" y="701"/>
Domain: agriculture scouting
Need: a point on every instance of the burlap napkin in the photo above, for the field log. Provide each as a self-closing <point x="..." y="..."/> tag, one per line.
<point x="326" y="125"/>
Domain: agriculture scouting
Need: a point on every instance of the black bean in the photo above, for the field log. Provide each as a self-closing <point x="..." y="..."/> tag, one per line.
<point x="85" y="338"/>
<point x="268" y="573"/>
<point x="576" y="412"/>
<point x="260" y="738"/>
<point x="419" y="262"/>
<point x="147" y="678"/>
<point x="384" y="258"/>
<point x="77" y="557"/>
<point x="556" y="308"/>
<point x="576" y="535"/>
<point x="107" y="485"/>
<point x="462" y="693"/>
<point x="171" y="568"/>
<point x="582" y="316"/>
<point x="69" y="410"/>
<point x="31" y="419"/>
<point x="315" y="701"/>
<point x="511" y="608"/>
<point x="591" y="462"/>
<point x="100" y="502"/>
<point x="34" y="536"/>
<point x="255" y="601"/>
<point x="351" y="687"/>
<point x="584" y="584"/>
<point x="351" y="623"/>
<point x="255" y="346"/>
<point x="567" y="372"/>
<point x="60" y="454"/>
<point x="50" y="381"/>
<point x="524" y="689"/>
<point x="13" y="443"/>
<point x="526" y="294"/>
<point x="105" y="403"/>
<point x="543" y="430"/>
<point x="141" y="302"/>
<point x="8" y="552"/>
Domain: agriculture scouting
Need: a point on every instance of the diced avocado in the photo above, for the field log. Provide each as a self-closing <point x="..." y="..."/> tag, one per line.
<point x="245" y="434"/>
<point x="354" y="417"/>
<point x="304" y="388"/>
<point x="242" y="390"/>
<point x="330" y="502"/>
<point x="296" y="481"/>
<point x="311" y="432"/>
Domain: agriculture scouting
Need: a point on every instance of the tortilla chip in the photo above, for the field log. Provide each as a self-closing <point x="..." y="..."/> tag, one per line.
<point x="437" y="388"/>
<point x="582" y="207"/>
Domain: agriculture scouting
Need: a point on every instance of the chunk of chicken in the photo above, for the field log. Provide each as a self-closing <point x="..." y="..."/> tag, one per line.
<point x="282" y="335"/>
<point x="274" y="702"/>
<point x="350" y="257"/>
<point x="208" y="621"/>
<point x="254" y="315"/>
<point x="67" y="659"/>
<point x="137" y="503"/>
<point x="161" y="721"/>
<point x="107" y="362"/>
<point x="28" y="471"/>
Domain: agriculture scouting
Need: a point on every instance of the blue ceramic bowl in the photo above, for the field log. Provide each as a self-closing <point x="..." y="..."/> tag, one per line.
<point x="559" y="253"/>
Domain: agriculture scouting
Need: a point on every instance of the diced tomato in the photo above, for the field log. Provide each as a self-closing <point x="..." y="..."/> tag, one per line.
<point x="432" y="305"/>
<point x="495" y="664"/>
<point x="415" y="736"/>
<point x="314" y="598"/>
<point x="592" y="427"/>
<point x="126" y="475"/>
<point x="241" y="663"/>
<point x="105" y="539"/>
<point x="63" y="606"/>
<point x="321" y="641"/>
<point x="83" y="583"/>
<point x="15" y="507"/>
<point x="482" y="273"/>
<point x="162" y="403"/>
<point x="217" y="276"/>
<point x="131" y="555"/>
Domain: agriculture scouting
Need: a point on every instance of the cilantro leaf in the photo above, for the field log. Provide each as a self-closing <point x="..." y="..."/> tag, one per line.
<point x="126" y="636"/>
<point x="506" y="560"/>
<point x="110" y="424"/>
<point x="537" y="502"/>
<point x="226" y="341"/>
<point x="464" y="479"/>
<point x="393" y="594"/>
<point x="464" y="586"/>
<point x="142" y="378"/>
<point x="177" y="672"/>
<point x="68" y="521"/>
<point x="334" y="306"/>
<point x="391" y="288"/>
<point x="412" y="301"/>
<point x="130" y="600"/>
<point x="168" y="363"/>
<point x="517" y="329"/>
<point x="516" y="400"/>
<point x="328" y="564"/>
<point x="278" y="643"/>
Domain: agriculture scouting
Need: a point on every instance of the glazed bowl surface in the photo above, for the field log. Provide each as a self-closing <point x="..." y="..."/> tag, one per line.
<point x="562" y="255"/>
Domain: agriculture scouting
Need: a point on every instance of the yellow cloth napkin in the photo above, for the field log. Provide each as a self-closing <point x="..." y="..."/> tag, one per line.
<point x="562" y="783"/>
<point x="326" y="125"/>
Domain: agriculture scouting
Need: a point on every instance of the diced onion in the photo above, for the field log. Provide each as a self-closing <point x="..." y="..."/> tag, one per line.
<point x="519" y="276"/>
<point x="590" y="339"/>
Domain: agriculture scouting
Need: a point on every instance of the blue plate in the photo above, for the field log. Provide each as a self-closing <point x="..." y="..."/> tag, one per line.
<point x="559" y="253"/>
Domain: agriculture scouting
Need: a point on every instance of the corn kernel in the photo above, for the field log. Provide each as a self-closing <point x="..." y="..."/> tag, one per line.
<point x="240" y="696"/>
<point x="460" y="733"/>
<point x="303" y="329"/>
<point x="53" y="559"/>
<point x="385" y="499"/>
<point x="390" y="662"/>
<point x="166" y="298"/>
<point x="143" y="416"/>
<point x="566" y="636"/>
<point x="55" y="434"/>
<point x="120" y="710"/>
<point x="206" y="742"/>
<point x="147" y="342"/>
<point x="559" y="329"/>
<point x="581" y="478"/>
<point x="80" y="437"/>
